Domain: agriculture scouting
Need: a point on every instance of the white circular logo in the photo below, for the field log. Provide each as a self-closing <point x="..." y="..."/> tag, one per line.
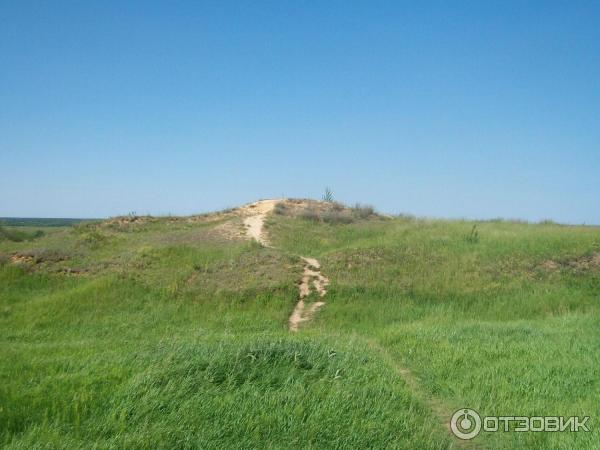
<point x="465" y="423"/>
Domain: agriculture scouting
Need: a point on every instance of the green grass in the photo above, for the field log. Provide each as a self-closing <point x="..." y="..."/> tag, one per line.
<point x="21" y="234"/>
<point x="166" y="335"/>
<point x="481" y="325"/>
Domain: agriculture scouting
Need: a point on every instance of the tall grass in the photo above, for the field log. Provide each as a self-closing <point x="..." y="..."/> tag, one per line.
<point x="484" y="326"/>
<point x="171" y="336"/>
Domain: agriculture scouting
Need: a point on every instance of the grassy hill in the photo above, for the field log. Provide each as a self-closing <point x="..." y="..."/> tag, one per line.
<point x="172" y="332"/>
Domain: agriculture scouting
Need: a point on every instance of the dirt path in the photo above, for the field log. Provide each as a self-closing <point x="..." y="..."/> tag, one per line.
<point x="255" y="219"/>
<point x="312" y="278"/>
<point x="439" y="409"/>
<point x="312" y="272"/>
<point x="256" y="214"/>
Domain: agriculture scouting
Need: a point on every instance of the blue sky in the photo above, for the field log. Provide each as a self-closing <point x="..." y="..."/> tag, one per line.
<point x="445" y="109"/>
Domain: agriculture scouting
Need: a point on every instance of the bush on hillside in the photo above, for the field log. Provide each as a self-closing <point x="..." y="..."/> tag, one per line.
<point x="18" y="235"/>
<point x="363" y="211"/>
<point x="310" y="214"/>
<point x="280" y="209"/>
<point x="94" y="238"/>
<point x="40" y="255"/>
<point x="337" y="217"/>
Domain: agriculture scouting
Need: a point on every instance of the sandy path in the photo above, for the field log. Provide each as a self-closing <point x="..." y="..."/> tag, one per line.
<point x="255" y="219"/>
<point x="256" y="214"/>
<point x="312" y="272"/>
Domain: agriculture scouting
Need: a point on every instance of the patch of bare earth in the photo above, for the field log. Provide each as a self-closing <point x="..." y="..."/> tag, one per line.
<point x="550" y="265"/>
<point x="578" y="264"/>
<point x="231" y="230"/>
<point x="311" y="275"/>
<point x="38" y="256"/>
<point x="245" y="222"/>
<point x="72" y="271"/>
<point x="254" y="219"/>
<point x="18" y="258"/>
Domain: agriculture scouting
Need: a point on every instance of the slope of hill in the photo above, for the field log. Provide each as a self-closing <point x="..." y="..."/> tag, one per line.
<point x="145" y="332"/>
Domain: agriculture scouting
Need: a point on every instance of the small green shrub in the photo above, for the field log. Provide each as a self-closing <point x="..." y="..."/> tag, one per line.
<point x="85" y="227"/>
<point x="37" y="234"/>
<point x="18" y="235"/>
<point x="94" y="238"/>
<point x="337" y="217"/>
<point x="310" y="214"/>
<point x="328" y="195"/>
<point x="40" y="255"/>
<point x="337" y="206"/>
<point x="473" y="236"/>
<point x="6" y="235"/>
<point x="363" y="211"/>
<point x="280" y="209"/>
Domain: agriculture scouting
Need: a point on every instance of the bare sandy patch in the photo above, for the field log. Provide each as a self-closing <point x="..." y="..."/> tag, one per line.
<point x="311" y="275"/>
<point x="254" y="220"/>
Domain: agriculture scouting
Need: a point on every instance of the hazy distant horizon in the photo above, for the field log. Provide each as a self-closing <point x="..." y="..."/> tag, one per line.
<point x="508" y="219"/>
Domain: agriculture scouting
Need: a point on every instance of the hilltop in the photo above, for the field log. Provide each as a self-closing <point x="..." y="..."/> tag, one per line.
<point x="295" y="324"/>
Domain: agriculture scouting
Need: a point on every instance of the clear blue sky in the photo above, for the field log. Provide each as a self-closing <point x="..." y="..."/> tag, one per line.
<point x="447" y="109"/>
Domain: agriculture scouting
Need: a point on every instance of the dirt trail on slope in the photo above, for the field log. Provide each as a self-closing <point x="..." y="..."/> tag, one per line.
<point x="255" y="219"/>
<point x="312" y="272"/>
<point x="256" y="214"/>
<point x="440" y="409"/>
